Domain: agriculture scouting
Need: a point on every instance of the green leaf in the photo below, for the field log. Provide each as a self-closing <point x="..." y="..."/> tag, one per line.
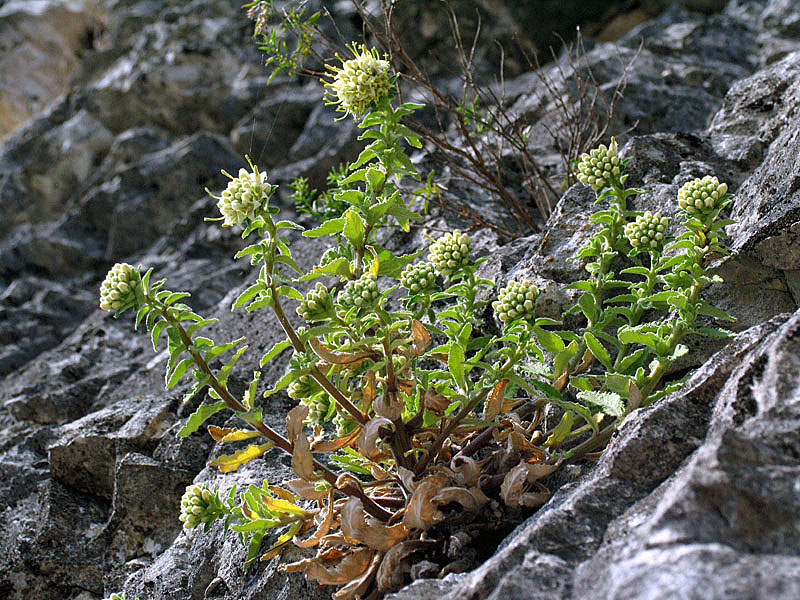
<point x="250" y="393"/>
<point x="355" y="228"/>
<point x="338" y="266"/>
<point x="288" y="225"/>
<point x="608" y="402"/>
<point x="712" y="311"/>
<point x="140" y="314"/>
<point x="597" y="349"/>
<point x="330" y="227"/>
<point x="580" y="410"/>
<point x="633" y="336"/>
<point x="549" y="340"/>
<point x="561" y="430"/>
<point x="633" y="359"/>
<point x="455" y="363"/>
<point x="276" y="349"/>
<point x="225" y="371"/>
<point x="287" y="378"/>
<point x="156" y="332"/>
<point x="636" y="271"/>
<point x="217" y="350"/>
<point x="715" y="332"/>
<point x="290" y="292"/>
<point x="200" y="416"/>
<point x="248" y="295"/>
<point x="178" y="372"/>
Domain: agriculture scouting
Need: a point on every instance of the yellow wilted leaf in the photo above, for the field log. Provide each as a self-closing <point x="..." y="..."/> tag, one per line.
<point x="279" y="505"/>
<point x="226" y="434"/>
<point x="231" y="462"/>
<point x="276" y="548"/>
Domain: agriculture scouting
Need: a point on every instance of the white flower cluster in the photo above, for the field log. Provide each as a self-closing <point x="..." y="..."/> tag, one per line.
<point x="244" y="197"/>
<point x="361" y="81"/>
<point x="702" y="196"/>
<point x="362" y="292"/>
<point x="118" y="290"/>
<point x="647" y="231"/>
<point x="418" y="278"/>
<point x="303" y="387"/>
<point x="516" y="301"/>
<point x="601" y="167"/>
<point x="450" y="252"/>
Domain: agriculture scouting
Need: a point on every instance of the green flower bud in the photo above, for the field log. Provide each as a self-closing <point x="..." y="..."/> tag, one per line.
<point x="344" y="424"/>
<point x="418" y="278"/>
<point x="317" y="305"/>
<point x="200" y="504"/>
<point x="360" y="82"/>
<point x="601" y="167"/>
<point x="245" y="196"/>
<point x="118" y="290"/>
<point x="647" y="231"/>
<point x="362" y="292"/>
<point x="303" y="387"/>
<point x="516" y="301"/>
<point x="702" y="197"/>
<point x="449" y="253"/>
<point x="318" y="408"/>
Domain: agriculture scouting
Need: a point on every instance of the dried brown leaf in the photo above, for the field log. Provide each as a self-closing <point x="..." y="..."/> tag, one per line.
<point x="344" y="569"/>
<point x="422" y="339"/>
<point x="367" y="442"/>
<point x="534" y="499"/>
<point x="338" y="443"/>
<point x="350" y="359"/>
<point x="407" y="479"/>
<point x="512" y="486"/>
<point x="390" y="406"/>
<point x="370" y="532"/>
<point x="495" y="402"/>
<point x="302" y="460"/>
<point x="357" y="587"/>
<point x="421" y="513"/>
<point x="435" y="402"/>
<point x="324" y="526"/>
<point x="634" y="396"/>
<point x="466" y="470"/>
<point x="458" y="495"/>
<point x="304" y="489"/>
<point x="294" y="421"/>
<point x="393" y="569"/>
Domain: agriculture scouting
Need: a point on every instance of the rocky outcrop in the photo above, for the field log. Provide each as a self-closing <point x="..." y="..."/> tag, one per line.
<point x="695" y="492"/>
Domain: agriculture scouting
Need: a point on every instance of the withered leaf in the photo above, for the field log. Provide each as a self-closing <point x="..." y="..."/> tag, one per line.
<point x="344" y="570"/>
<point x="421" y="513"/>
<point x="422" y="339"/>
<point x="512" y="486"/>
<point x="357" y="587"/>
<point x="302" y="460"/>
<point x="391" y="573"/>
<point x="435" y="402"/>
<point x="459" y="495"/>
<point x="324" y="526"/>
<point x="338" y="443"/>
<point x="368" y="438"/>
<point x="634" y="396"/>
<point x="231" y="434"/>
<point x="350" y="359"/>
<point x="389" y="406"/>
<point x="369" y="532"/>
<point x="305" y="489"/>
<point x="466" y="470"/>
<point x="231" y="462"/>
<point x="495" y="402"/>
<point x="294" y="421"/>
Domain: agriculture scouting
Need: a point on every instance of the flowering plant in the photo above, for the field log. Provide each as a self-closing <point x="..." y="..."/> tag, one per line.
<point x="414" y="413"/>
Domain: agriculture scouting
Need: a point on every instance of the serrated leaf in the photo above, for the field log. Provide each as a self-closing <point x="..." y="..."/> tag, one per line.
<point x="276" y="349"/>
<point x="330" y="227"/>
<point x="156" y="332"/>
<point x="230" y="462"/>
<point x="549" y="340"/>
<point x="455" y="363"/>
<point x="609" y="403"/>
<point x="354" y="228"/>
<point x="597" y="349"/>
<point x="225" y="371"/>
<point x="200" y="416"/>
<point x="179" y="371"/>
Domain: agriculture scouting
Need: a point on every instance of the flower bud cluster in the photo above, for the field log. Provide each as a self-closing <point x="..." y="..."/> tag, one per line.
<point x="418" y="278"/>
<point x="601" y="167"/>
<point x="702" y="196"/>
<point x="118" y="289"/>
<point x="303" y="387"/>
<point x="318" y="408"/>
<point x="361" y="81"/>
<point x="516" y="301"/>
<point x="317" y="305"/>
<point x="450" y="252"/>
<point x="344" y="424"/>
<point x="244" y="197"/>
<point x="362" y="292"/>
<point x="647" y="231"/>
<point x="200" y="504"/>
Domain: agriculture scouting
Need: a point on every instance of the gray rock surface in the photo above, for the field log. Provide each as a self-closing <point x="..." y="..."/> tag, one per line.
<point x="696" y="496"/>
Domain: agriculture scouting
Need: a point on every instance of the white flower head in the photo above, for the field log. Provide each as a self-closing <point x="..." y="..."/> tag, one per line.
<point x="360" y="82"/>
